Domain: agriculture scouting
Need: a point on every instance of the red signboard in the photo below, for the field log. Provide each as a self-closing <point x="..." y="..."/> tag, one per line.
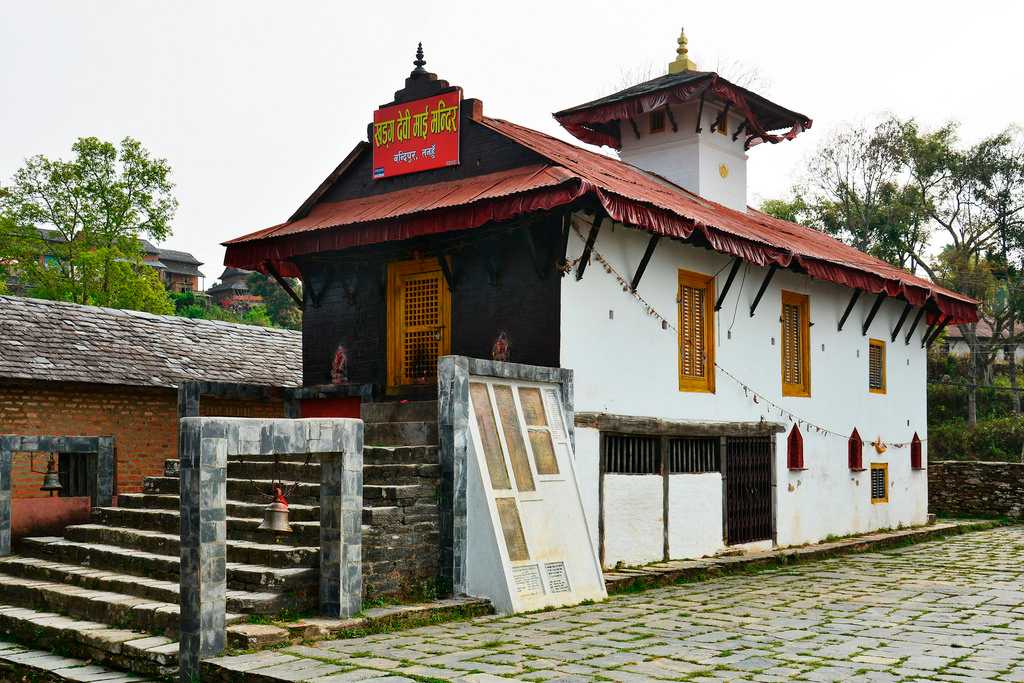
<point x="417" y="136"/>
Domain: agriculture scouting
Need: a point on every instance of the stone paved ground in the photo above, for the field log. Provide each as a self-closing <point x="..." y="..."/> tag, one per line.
<point x="948" y="610"/>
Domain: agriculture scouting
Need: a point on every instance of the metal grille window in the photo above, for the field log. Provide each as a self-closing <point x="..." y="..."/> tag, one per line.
<point x="796" y="370"/>
<point x="632" y="454"/>
<point x="696" y="332"/>
<point x="77" y="471"/>
<point x="876" y="366"/>
<point x="693" y="455"/>
<point x="879" y="482"/>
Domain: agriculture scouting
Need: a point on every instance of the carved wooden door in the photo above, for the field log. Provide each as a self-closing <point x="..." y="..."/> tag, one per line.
<point x="419" y="321"/>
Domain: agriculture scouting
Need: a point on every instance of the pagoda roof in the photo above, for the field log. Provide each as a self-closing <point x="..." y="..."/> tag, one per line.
<point x="569" y="175"/>
<point x="596" y="122"/>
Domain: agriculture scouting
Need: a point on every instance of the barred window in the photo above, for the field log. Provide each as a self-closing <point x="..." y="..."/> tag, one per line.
<point x="627" y="454"/>
<point x="696" y="332"/>
<point x="876" y="366"/>
<point x="879" y="482"/>
<point x="796" y="370"/>
<point x="693" y="455"/>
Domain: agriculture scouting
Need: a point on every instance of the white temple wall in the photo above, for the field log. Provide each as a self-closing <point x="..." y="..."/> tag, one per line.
<point x="625" y="363"/>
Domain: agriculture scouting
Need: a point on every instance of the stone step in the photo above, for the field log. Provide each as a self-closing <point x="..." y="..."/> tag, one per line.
<point x="402" y="495"/>
<point x="388" y="516"/>
<point x="239" y="528"/>
<point x="376" y="456"/>
<point x="134" y="651"/>
<point x="120" y="609"/>
<point x="400" y="434"/>
<point x="235" y="508"/>
<point x="400" y="455"/>
<point x="301" y="581"/>
<point x="153" y="590"/>
<point x="20" y="663"/>
<point x="244" y="490"/>
<point x="248" y="552"/>
<point x="401" y="473"/>
<point x="399" y="411"/>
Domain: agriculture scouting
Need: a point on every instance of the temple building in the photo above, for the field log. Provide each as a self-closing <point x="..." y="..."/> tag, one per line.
<point x="738" y="381"/>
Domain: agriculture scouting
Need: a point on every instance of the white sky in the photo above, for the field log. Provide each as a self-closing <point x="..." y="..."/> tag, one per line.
<point x="253" y="103"/>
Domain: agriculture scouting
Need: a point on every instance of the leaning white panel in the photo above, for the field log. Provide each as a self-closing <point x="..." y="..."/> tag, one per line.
<point x="526" y="548"/>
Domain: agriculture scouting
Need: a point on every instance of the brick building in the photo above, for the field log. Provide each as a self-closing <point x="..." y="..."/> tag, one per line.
<point x="67" y="369"/>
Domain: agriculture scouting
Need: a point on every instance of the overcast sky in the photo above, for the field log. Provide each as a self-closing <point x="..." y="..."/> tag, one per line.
<point x="253" y="103"/>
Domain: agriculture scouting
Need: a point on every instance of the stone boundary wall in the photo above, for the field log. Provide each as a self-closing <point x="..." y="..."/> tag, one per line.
<point x="974" y="488"/>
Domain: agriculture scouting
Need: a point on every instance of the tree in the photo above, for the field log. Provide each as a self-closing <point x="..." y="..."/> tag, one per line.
<point x="280" y="307"/>
<point x="91" y="211"/>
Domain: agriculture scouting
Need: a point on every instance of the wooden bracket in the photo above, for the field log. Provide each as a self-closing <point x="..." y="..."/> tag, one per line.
<point x="492" y="263"/>
<point x="636" y="131"/>
<point x="566" y="219"/>
<point x="739" y="129"/>
<point x="736" y="262"/>
<point x="700" y="113"/>
<point x="651" y="244"/>
<point x="913" y="325"/>
<point x="671" y="119"/>
<point x="938" y="330"/>
<point x="899" y="323"/>
<point x="330" y="272"/>
<point x="535" y="257"/>
<point x="720" y="119"/>
<point x="589" y="247"/>
<point x="284" y="284"/>
<point x="928" y="333"/>
<point x="849" y="308"/>
<point x="874" y="310"/>
<point x="764" y="286"/>
<point x="446" y="271"/>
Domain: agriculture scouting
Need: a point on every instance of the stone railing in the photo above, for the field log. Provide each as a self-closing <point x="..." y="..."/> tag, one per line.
<point x="973" y="488"/>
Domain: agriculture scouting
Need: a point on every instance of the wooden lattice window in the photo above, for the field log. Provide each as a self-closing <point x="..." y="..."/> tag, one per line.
<point x="876" y="366"/>
<point x="796" y="345"/>
<point x="855" y="451"/>
<point x="657" y="121"/>
<point x="629" y="454"/>
<point x="696" y="332"/>
<point x="879" y="482"/>
<point x="795" y="449"/>
<point x="916" y="461"/>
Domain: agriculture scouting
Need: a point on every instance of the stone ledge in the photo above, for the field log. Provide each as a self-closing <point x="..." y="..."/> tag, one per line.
<point x="394" y="617"/>
<point x="673" y="571"/>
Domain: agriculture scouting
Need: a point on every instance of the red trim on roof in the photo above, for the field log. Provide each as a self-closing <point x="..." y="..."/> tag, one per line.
<point x="626" y="193"/>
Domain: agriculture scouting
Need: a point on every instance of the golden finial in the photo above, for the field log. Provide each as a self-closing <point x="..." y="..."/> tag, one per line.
<point x="682" y="62"/>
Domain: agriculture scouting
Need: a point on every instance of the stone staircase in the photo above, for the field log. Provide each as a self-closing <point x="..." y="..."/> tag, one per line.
<point x="107" y="591"/>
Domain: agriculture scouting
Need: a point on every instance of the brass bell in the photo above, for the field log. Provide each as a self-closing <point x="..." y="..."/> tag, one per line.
<point x="51" y="478"/>
<point x="275" y="515"/>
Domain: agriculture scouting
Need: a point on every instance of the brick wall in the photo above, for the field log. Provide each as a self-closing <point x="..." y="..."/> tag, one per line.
<point x="972" y="488"/>
<point x="143" y="422"/>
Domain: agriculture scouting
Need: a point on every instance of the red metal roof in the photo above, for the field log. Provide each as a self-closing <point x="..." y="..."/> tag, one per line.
<point x="628" y="194"/>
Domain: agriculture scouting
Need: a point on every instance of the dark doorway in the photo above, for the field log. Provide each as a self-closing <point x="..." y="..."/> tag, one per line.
<point x="749" y="513"/>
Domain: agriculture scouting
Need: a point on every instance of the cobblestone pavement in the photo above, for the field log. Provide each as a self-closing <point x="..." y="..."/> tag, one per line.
<point x="948" y="610"/>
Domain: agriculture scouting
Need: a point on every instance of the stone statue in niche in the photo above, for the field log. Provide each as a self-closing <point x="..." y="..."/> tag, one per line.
<point x="501" y="351"/>
<point x="339" y="366"/>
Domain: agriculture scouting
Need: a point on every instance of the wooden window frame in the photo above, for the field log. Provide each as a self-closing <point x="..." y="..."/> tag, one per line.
<point x="705" y="384"/>
<point x="884" y="466"/>
<point x="656" y="122"/>
<point x="803" y="389"/>
<point x="877" y="343"/>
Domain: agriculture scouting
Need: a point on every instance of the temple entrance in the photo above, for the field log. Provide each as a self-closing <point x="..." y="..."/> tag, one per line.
<point x="419" y="321"/>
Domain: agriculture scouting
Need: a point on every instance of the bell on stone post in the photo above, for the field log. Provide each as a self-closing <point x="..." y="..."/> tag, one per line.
<point x="51" y="478"/>
<point x="275" y="515"/>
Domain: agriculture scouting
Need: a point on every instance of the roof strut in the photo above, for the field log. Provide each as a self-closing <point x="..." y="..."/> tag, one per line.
<point x="636" y="131"/>
<point x="446" y="270"/>
<point x="928" y="333"/>
<point x="849" y="308"/>
<point x="531" y="246"/>
<point x="899" y="323"/>
<point x="938" y="330"/>
<point x="565" y="244"/>
<point x="871" y="314"/>
<point x="671" y="119"/>
<point x="764" y="286"/>
<point x="739" y="129"/>
<point x="651" y="244"/>
<point x="721" y="121"/>
<point x="736" y="262"/>
<point x="913" y="325"/>
<point x="700" y="112"/>
<point x="585" y="256"/>
<point x="284" y="284"/>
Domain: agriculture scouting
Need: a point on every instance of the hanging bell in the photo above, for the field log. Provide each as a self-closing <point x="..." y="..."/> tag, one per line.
<point x="51" y="479"/>
<point x="275" y="515"/>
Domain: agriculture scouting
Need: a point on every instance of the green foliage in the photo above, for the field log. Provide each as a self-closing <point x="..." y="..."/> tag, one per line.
<point x="77" y="224"/>
<point x="280" y="307"/>
<point x="190" y="305"/>
<point x="947" y="405"/>
<point x="995" y="439"/>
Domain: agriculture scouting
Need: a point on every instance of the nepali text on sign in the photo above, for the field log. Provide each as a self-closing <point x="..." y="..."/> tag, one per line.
<point x="416" y="136"/>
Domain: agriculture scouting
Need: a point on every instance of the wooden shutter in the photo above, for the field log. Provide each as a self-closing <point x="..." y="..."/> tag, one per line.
<point x="855" y="451"/>
<point x="876" y="366"/>
<point x="795" y="449"/>
<point x="796" y="369"/>
<point x="696" y="332"/>
<point x="879" y="482"/>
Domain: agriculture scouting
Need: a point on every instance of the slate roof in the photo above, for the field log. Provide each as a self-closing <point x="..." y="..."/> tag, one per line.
<point x="63" y="342"/>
